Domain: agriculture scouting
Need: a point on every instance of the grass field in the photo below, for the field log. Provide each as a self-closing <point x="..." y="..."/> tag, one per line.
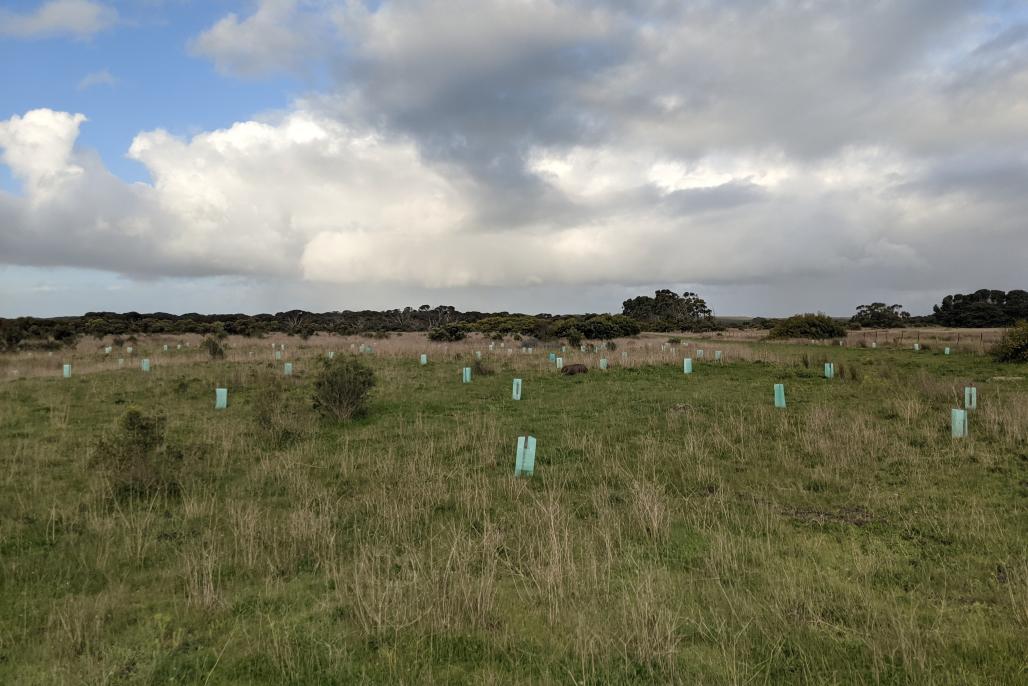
<point x="678" y="529"/>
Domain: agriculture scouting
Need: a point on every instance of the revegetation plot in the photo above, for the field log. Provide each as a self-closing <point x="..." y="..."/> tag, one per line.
<point x="676" y="528"/>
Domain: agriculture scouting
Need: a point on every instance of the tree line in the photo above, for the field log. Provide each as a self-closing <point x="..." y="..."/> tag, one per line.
<point x="665" y="311"/>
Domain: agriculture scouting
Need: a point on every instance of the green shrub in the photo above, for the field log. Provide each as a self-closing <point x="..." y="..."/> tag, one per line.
<point x="1013" y="347"/>
<point x="674" y="340"/>
<point x="447" y="333"/>
<point x="136" y="457"/>
<point x="816" y="326"/>
<point x="574" y="337"/>
<point x="214" y="348"/>
<point x="342" y="387"/>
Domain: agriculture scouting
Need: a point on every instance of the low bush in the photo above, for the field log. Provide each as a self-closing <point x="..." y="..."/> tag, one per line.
<point x="136" y="457"/>
<point x="816" y="326"/>
<point x="447" y="333"/>
<point x="342" y="388"/>
<point x="1013" y="347"/>
<point x="214" y="348"/>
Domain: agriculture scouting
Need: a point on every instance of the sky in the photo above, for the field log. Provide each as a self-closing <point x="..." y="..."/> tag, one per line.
<point x="522" y="155"/>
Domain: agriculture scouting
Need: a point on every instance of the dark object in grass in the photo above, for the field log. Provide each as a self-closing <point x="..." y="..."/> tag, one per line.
<point x="572" y="369"/>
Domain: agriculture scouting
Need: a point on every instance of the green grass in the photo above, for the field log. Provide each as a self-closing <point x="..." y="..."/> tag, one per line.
<point x="679" y="529"/>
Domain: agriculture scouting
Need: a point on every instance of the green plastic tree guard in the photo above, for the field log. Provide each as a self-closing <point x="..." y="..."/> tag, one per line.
<point x="699" y="354"/>
<point x="165" y="347"/>
<point x="563" y="348"/>
<point x="128" y="350"/>
<point x="829" y="370"/>
<point x="874" y="344"/>
<point x="958" y="423"/>
<point x="917" y="346"/>
<point x="717" y="355"/>
<point x="516" y="392"/>
<point x="288" y="369"/>
<point x="220" y="398"/>
<point x="67" y="371"/>
<point x="603" y="363"/>
<point x="466" y="378"/>
<point x="560" y="363"/>
<point x="970" y="398"/>
<point x="145" y="364"/>
<point x="945" y="351"/>
<point x="687" y="365"/>
<point x="478" y="354"/>
<point x="278" y="355"/>
<point x="553" y="357"/>
<point x="524" y="461"/>
<point x="107" y="350"/>
<point x="779" y="395"/>
<point x="424" y="359"/>
<point x="121" y="361"/>
<point x="624" y="356"/>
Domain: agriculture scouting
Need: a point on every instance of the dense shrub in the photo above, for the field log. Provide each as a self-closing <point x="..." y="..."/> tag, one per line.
<point x="447" y="333"/>
<point x="136" y="457"/>
<point x="574" y="337"/>
<point x="214" y="348"/>
<point x="1013" y="347"/>
<point x="342" y="387"/>
<point x="816" y="326"/>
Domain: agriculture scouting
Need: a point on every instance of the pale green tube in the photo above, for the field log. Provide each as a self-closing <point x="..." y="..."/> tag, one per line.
<point x="958" y="423"/>
<point x="524" y="460"/>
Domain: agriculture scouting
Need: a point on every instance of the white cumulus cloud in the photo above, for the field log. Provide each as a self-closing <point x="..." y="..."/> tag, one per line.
<point x="491" y="144"/>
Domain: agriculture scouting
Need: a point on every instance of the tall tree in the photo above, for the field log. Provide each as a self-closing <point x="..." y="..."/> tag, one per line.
<point x="880" y="315"/>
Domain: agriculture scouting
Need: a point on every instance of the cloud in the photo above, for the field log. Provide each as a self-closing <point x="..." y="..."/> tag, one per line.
<point x="76" y="18"/>
<point x="97" y="78"/>
<point x="491" y="145"/>
<point x="280" y="35"/>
